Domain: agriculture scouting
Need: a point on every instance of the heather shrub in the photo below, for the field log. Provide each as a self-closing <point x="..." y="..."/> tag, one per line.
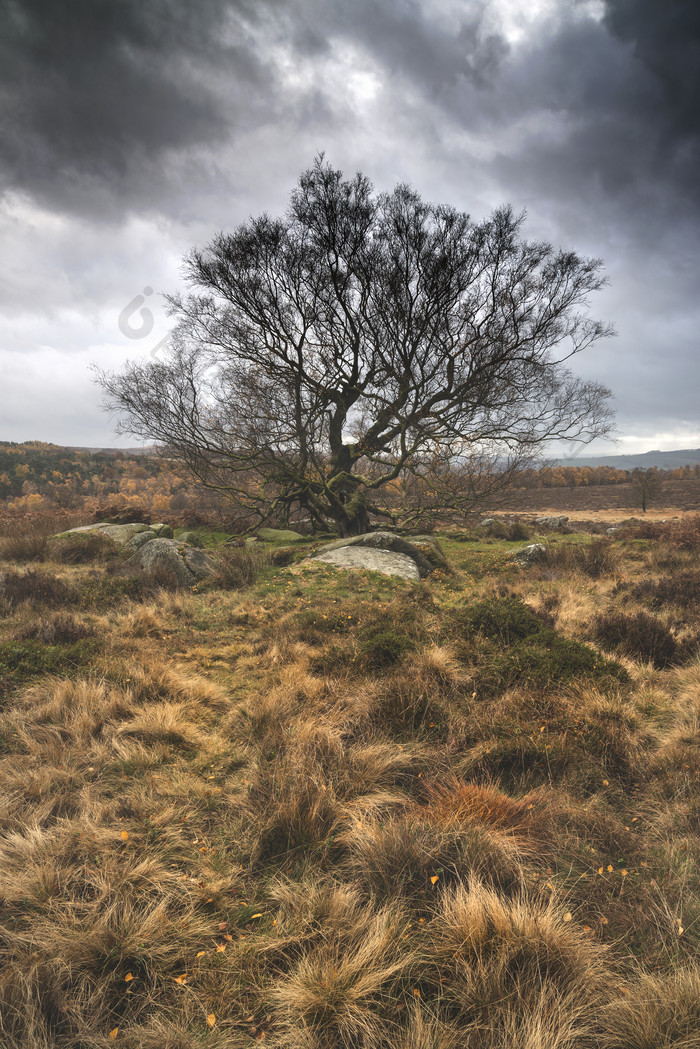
<point x="238" y="567"/>
<point x="511" y="531"/>
<point x="119" y="513"/>
<point x="504" y="620"/>
<point x="383" y="648"/>
<point x="544" y="660"/>
<point x="641" y="636"/>
<point x="682" y="589"/>
<point x="82" y="548"/>
<point x="36" y="588"/>
<point x="525" y="650"/>
<point x="683" y="534"/>
<point x="599" y="558"/>
<point x="23" y="541"/>
<point x="101" y="590"/>
<point x="22" y="660"/>
<point x="61" y="628"/>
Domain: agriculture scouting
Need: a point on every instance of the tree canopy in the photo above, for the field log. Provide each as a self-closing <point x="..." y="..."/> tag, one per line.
<point x="367" y="349"/>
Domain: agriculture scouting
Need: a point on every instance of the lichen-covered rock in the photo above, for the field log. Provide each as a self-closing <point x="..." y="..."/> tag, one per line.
<point x="191" y="538"/>
<point x="388" y="562"/>
<point x="554" y="521"/>
<point x="363" y="546"/>
<point x="280" y="535"/>
<point x="186" y="563"/>
<point x="120" y="533"/>
<point x="163" y="531"/>
<point x="384" y="541"/>
<point x="432" y="551"/>
<point x="531" y="554"/>
<point x="139" y="540"/>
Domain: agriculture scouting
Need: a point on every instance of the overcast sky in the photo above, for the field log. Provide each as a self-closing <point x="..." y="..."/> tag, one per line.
<point x="133" y="129"/>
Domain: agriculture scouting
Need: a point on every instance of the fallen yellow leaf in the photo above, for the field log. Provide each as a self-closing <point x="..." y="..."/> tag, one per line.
<point x="610" y="868"/>
<point x="211" y="1019"/>
<point x="129" y="976"/>
<point x="125" y="835"/>
<point x="416" y="992"/>
<point x="200" y="954"/>
<point x="113" y="1033"/>
<point x="434" y="878"/>
<point x="258" y="915"/>
<point x="220" y="947"/>
<point x="181" y="979"/>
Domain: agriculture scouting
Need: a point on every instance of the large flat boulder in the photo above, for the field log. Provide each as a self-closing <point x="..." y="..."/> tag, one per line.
<point x="120" y="533"/>
<point x="386" y="541"/>
<point x="388" y="562"/>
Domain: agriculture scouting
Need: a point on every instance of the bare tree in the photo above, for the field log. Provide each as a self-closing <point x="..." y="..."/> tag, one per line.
<point x="646" y="485"/>
<point x="361" y="338"/>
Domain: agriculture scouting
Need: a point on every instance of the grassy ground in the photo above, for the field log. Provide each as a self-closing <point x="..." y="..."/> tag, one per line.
<point x="332" y="809"/>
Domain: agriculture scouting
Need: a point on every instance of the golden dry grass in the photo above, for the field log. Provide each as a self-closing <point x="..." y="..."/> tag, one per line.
<point x="225" y="827"/>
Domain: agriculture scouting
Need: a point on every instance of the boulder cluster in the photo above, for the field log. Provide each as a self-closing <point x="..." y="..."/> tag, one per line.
<point x="155" y="550"/>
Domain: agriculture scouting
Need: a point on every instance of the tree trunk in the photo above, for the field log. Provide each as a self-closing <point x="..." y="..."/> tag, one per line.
<point x="355" y="517"/>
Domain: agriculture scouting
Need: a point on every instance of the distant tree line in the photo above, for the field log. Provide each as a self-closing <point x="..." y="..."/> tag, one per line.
<point x="39" y="476"/>
<point x="584" y="476"/>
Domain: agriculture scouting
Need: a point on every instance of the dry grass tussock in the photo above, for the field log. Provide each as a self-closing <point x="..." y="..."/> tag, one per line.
<point x="320" y="812"/>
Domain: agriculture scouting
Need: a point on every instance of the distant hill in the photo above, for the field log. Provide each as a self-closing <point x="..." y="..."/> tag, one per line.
<point x="663" y="460"/>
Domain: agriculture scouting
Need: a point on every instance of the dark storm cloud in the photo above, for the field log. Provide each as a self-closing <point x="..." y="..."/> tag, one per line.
<point x="622" y="95"/>
<point x="169" y="118"/>
<point x="666" y="41"/>
<point x="97" y="93"/>
<point x="130" y="100"/>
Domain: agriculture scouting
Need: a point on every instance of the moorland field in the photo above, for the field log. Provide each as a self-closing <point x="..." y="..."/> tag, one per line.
<point x="315" y="809"/>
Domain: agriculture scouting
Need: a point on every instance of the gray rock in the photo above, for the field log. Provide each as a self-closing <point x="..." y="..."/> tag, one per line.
<point x="487" y="522"/>
<point x="531" y="554"/>
<point x="139" y="540"/>
<point x="191" y="538"/>
<point x="386" y="541"/>
<point x="280" y="535"/>
<point x="163" y="531"/>
<point x="186" y="563"/>
<point x="120" y="533"/>
<point x="388" y="562"/>
<point x="555" y="521"/>
<point x="432" y="551"/>
<point x="612" y="530"/>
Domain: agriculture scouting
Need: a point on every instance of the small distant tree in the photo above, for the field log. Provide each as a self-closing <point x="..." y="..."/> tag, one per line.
<point x="362" y="338"/>
<point x="646" y="485"/>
